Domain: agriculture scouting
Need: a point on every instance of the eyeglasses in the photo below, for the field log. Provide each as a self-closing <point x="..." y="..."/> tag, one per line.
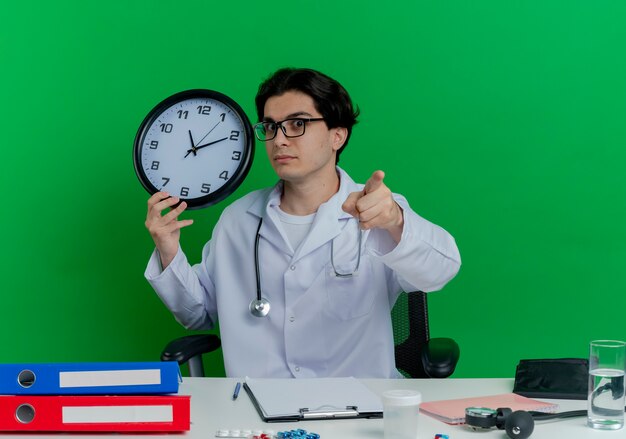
<point x="293" y="127"/>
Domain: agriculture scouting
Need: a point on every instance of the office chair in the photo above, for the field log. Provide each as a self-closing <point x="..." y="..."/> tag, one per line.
<point x="417" y="355"/>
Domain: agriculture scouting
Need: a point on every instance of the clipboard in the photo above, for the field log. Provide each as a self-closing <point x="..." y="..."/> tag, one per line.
<point x="292" y="400"/>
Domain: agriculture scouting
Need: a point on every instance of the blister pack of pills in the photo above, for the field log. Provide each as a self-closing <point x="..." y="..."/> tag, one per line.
<point x="265" y="434"/>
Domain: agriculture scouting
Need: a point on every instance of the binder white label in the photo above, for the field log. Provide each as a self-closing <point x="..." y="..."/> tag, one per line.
<point x="117" y="414"/>
<point x="109" y="378"/>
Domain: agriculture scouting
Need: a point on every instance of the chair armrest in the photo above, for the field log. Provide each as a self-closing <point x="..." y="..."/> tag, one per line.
<point x="439" y="357"/>
<point x="184" y="348"/>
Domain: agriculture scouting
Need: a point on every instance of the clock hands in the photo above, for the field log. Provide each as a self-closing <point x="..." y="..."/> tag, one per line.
<point x="211" y="130"/>
<point x="195" y="149"/>
<point x="193" y="146"/>
<point x="211" y="143"/>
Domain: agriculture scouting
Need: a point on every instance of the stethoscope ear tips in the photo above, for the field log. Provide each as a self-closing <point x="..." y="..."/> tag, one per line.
<point x="259" y="308"/>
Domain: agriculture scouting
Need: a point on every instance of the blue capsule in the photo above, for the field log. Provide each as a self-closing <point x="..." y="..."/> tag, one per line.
<point x="297" y="434"/>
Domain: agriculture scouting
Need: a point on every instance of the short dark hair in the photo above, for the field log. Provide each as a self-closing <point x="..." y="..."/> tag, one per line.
<point x="331" y="99"/>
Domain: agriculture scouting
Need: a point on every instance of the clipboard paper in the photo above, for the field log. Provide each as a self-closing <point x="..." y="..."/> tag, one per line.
<point x="452" y="411"/>
<point x="289" y="400"/>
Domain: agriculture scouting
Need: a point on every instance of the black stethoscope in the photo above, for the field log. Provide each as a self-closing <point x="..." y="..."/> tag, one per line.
<point x="260" y="307"/>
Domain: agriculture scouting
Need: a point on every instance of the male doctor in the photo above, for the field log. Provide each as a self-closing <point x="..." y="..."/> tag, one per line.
<point x="333" y="255"/>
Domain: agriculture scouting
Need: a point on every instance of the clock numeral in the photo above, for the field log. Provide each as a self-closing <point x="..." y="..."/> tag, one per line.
<point x="236" y="155"/>
<point x="184" y="191"/>
<point x="234" y="135"/>
<point x="154" y="144"/>
<point x="223" y="116"/>
<point x="167" y="180"/>
<point x="166" y="127"/>
<point x="155" y="165"/>
<point x="206" y="188"/>
<point x="182" y="114"/>
<point x="224" y="175"/>
<point x="204" y="109"/>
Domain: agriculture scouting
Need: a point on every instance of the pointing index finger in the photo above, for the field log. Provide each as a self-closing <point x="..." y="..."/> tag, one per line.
<point x="374" y="182"/>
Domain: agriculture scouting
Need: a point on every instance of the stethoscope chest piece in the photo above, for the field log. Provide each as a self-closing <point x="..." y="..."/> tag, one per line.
<point x="259" y="307"/>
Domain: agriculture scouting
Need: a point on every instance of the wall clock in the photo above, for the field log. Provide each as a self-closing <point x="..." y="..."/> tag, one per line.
<point x="197" y="145"/>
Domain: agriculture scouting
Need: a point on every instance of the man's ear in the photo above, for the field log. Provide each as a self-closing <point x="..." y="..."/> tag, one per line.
<point x="338" y="137"/>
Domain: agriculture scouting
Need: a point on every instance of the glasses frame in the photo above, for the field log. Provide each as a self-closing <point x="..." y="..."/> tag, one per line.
<point x="283" y="129"/>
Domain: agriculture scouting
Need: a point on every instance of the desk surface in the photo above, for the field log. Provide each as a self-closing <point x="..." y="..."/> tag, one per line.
<point x="212" y="408"/>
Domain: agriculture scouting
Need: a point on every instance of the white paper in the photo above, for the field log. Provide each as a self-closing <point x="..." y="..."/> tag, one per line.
<point x="117" y="414"/>
<point x="103" y="378"/>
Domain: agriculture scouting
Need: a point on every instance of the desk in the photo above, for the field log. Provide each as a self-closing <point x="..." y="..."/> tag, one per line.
<point x="212" y="408"/>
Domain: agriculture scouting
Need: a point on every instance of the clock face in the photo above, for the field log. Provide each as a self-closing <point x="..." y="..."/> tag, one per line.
<point x="196" y="145"/>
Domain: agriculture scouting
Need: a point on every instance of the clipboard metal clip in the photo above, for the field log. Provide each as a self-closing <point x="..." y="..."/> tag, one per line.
<point x="349" y="412"/>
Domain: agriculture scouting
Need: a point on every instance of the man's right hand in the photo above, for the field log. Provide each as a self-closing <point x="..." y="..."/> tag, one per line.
<point x="165" y="229"/>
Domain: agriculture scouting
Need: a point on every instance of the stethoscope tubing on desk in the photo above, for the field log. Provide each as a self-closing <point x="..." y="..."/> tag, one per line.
<point x="540" y="416"/>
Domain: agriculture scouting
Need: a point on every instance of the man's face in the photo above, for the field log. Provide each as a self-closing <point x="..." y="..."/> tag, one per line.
<point x="311" y="155"/>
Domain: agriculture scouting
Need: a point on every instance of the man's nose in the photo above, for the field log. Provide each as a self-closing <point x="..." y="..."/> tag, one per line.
<point x="280" y="138"/>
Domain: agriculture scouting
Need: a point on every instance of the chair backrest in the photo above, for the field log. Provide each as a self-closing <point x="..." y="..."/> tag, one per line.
<point x="410" y="333"/>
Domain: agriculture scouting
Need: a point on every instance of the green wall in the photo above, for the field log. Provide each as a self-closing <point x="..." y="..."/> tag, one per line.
<point x="502" y="121"/>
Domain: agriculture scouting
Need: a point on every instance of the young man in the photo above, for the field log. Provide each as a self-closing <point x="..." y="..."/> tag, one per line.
<point x="332" y="255"/>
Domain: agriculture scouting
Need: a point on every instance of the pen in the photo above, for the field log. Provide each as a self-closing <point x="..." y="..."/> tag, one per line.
<point x="236" y="392"/>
